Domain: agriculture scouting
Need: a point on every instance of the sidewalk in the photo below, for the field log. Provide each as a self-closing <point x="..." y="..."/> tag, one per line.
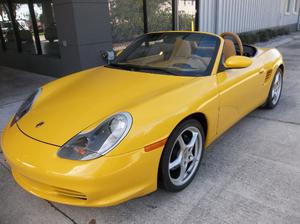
<point x="280" y="40"/>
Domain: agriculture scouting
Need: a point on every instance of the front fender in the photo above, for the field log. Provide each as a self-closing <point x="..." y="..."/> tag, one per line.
<point x="155" y="119"/>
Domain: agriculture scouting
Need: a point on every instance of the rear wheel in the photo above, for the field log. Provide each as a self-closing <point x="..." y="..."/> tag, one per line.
<point x="275" y="91"/>
<point x="182" y="155"/>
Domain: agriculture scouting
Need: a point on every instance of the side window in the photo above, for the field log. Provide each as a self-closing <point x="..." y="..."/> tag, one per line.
<point x="205" y="47"/>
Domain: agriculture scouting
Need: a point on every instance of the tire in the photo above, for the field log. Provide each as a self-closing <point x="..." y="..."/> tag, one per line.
<point x="275" y="91"/>
<point x="182" y="155"/>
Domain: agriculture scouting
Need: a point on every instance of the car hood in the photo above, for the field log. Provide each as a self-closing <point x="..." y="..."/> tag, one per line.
<point x="73" y="103"/>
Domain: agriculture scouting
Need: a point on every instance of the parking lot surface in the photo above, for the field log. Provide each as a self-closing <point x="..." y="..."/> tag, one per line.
<point x="250" y="175"/>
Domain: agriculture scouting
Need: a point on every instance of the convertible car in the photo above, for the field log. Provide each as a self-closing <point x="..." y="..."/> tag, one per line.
<point x="112" y="133"/>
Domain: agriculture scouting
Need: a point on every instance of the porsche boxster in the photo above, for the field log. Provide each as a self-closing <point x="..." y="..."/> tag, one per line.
<point x="115" y="132"/>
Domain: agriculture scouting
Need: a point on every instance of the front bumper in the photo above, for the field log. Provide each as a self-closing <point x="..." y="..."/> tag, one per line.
<point x="104" y="181"/>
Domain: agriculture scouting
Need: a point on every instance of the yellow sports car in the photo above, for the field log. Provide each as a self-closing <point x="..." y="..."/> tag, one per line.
<point x="112" y="133"/>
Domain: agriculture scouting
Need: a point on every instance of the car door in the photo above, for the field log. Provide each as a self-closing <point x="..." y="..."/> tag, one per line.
<point x="240" y="91"/>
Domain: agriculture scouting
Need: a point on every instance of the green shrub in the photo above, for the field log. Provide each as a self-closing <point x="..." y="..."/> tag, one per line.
<point x="249" y="38"/>
<point x="283" y="31"/>
<point x="263" y="35"/>
<point x="280" y="31"/>
<point x="271" y="33"/>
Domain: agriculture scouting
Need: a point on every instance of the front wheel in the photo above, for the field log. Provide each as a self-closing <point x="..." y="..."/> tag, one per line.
<point x="182" y="155"/>
<point x="275" y="91"/>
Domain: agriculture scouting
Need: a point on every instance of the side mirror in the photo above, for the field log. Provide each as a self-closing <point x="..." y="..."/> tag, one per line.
<point x="107" y="56"/>
<point x="237" y="62"/>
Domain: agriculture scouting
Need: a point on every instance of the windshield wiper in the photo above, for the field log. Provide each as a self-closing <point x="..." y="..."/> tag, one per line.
<point x="123" y="66"/>
<point x="148" y="68"/>
<point x="131" y="67"/>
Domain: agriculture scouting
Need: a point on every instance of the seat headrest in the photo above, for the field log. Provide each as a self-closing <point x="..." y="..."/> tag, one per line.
<point x="182" y="48"/>
<point x="229" y="48"/>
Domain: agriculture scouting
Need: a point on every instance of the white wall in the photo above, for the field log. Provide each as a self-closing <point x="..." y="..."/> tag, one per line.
<point x="244" y="15"/>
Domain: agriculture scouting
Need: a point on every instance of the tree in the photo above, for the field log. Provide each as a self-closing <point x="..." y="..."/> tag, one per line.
<point x="127" y="18"/>
<point x="159" y="15"/>
<point x="1" y="12"/>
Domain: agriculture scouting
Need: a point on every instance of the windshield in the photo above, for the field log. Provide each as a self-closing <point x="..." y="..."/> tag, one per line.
<point x="176" y="53"/>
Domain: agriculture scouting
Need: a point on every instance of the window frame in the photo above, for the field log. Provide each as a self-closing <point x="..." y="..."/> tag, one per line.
<point x="35" y="28"/>
<point x="174" y="5"/>
<point x="296" y="7"/>
<point x="15" y="26"/>
<point x="287" y="9"/>
<point x="197" y="11"/>
<point x="37" y="42"/>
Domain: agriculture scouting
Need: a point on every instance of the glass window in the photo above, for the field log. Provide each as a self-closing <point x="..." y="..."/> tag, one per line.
<point x="186" y="12"/>
<point x="159" y="15"/>
<point x="288" y="6"/>
<point x="46" y="26"/>
<point x="3" y="47"/>
<point x="126" y="21"/>
<point x="296" y="6"/>
<point x="7" y="27"/>
<point x="45" y="22"/>
<point x="175" y="53"/>
<point x="24" y="23"/>
<point x="2" y="12"/>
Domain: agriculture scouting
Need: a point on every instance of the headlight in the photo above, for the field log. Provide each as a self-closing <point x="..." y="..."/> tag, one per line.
<point x="26" y="106"/>
<point x="99" y="141"/>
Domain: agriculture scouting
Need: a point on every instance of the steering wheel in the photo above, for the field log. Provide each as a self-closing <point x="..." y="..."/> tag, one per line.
<point x="236" y="38"/>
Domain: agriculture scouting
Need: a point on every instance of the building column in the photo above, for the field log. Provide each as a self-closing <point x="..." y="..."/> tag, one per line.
<point x="83" y="29"/>
<point x="47" y="11"/>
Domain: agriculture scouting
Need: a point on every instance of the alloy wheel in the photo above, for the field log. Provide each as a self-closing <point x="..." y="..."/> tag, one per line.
<point x="185" y="156"/>
<point x="277" y="87"/>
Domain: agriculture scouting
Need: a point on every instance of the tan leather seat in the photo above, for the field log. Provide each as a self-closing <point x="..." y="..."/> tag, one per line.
<point x="229" y="48"/>
<point x="182" y="54"/>
<point x="182" y="49"/>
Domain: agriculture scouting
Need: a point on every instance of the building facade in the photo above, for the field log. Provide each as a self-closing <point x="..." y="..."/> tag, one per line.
<point x="58" y="37"/>
<point x="247" y="15"/>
